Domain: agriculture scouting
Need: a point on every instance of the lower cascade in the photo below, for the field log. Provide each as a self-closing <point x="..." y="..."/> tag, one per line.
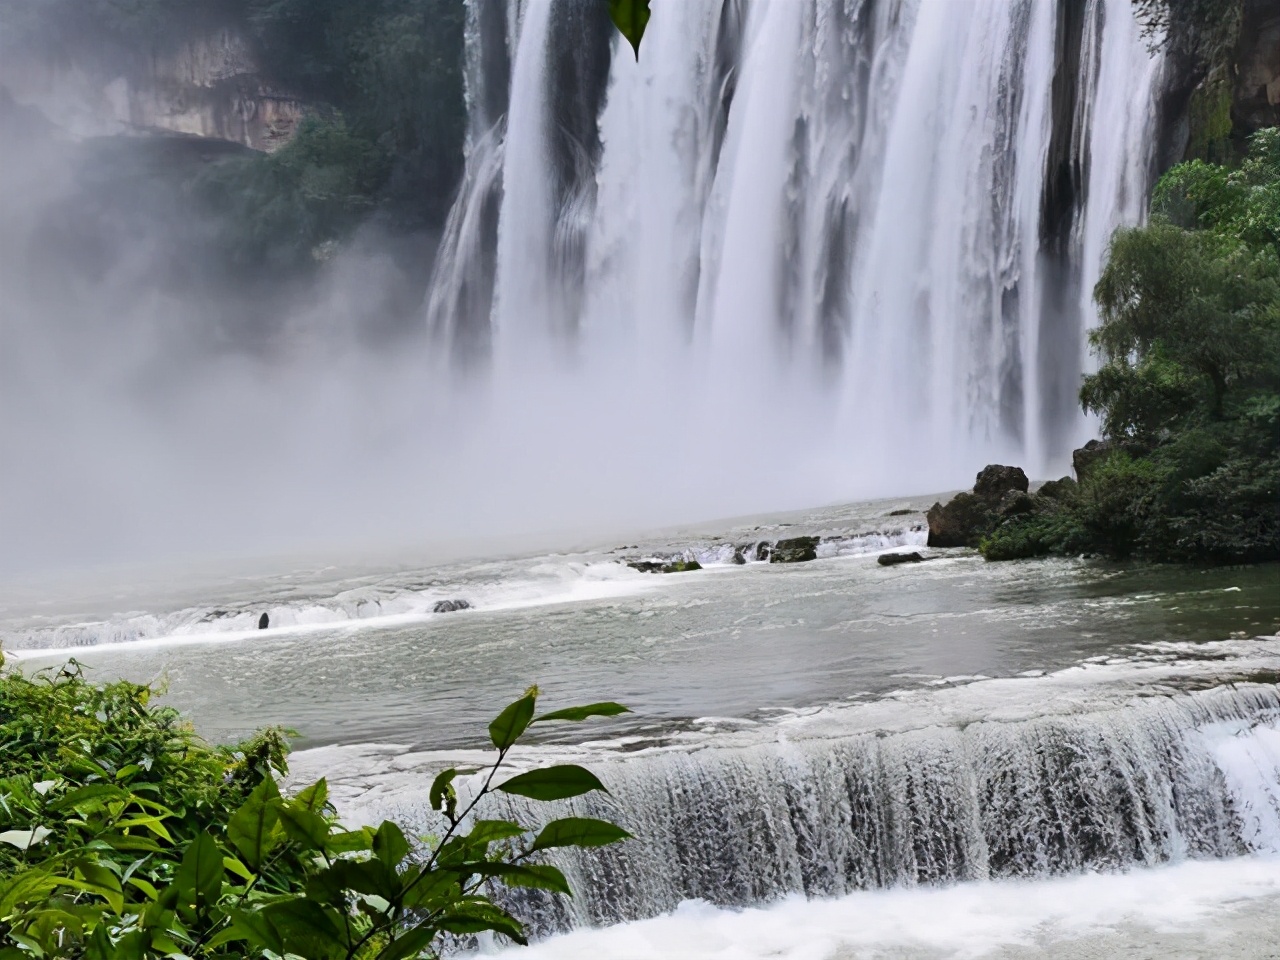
<point x="1163" y="778"/>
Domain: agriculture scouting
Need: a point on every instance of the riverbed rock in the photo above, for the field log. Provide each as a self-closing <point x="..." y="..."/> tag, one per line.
<point x="451" y="606"/>
<point x="795" y="550"/>
<point x="893" y="559"/>
<point x="962" y="522"/>
<point x="1057" y="489"/>
<point x="996" y="480"/>
<point x="676" y="565"/>
<point x="763" y="551"/>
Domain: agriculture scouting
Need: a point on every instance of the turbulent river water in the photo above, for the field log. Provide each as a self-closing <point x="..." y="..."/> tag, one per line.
<point x="801" y="732"/>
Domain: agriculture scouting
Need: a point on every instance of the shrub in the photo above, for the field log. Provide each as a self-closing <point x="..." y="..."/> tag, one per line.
<point x="126" y="836"/>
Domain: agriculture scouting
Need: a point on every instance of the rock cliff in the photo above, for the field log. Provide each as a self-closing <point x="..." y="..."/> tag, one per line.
<point x="207" y="85"/>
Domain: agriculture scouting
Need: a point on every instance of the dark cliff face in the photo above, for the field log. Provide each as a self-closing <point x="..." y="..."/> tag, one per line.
<point x="1256" y="97"/>
<point x="1223" y="78"/>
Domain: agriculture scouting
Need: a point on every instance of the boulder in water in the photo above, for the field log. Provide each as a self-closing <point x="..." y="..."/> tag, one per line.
<point x="763" y="551"/>
<point x="995" y="480"/>
<point x="795" y="550"/>
<point x="677" y="565"/>
<point x="964" y="521"/>
<point x="451" y="606"/>
<point x="893" y="559"/>
<point x="264" y="621"/>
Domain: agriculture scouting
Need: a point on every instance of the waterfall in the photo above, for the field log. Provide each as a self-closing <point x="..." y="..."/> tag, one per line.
<point x="890" y="213"/>
<point x="1160" y="779"/>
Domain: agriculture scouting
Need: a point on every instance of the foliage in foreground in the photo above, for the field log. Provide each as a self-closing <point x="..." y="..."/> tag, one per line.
<point x="123" y="835"/>
<point x="1188" y="390"/>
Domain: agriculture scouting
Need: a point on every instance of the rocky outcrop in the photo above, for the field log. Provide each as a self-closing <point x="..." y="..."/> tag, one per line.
<point x="893" y="559"/>
<point x="795" y="550"/>
<point x="451" y="606"/>
<point x="1057" y="489"/>
<point x="209" y="85"/>
<point x="998" y="491"/>
<point x="1256" y="97"/>
<point x="677" y="565"/>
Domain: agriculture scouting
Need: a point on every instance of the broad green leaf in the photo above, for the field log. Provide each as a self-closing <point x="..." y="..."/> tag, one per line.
<point x="359" y="876"/>
<point x="252" y="828"/>
<point x="314" y="797"/>
<point x="475" y="916"/>
<point x="443" y="797"/>
<point x="579" y="832"/>
<point x="96" y="879"/>
<point x="232" y="865"/>
<point x="553" y="783"/>
<point x="25" y="839"/>
<point x="148" y="890"/>
<point x="352" y="841"/>
<point x="303" y="826"/>
<point x="411" y="943"/>
<point x="27" y="887"/>
<point x="252" y="926"/>
<point x="87" y="799"/>
<point x="487" y="831"/>
<point x="431" y="889"/>
<point x="576" y="714"/>
<point x="306" y="928"/>
<point x="131" y="844"/>
<point x="630" y="17"/>
<point x="538" y="875"/>
<point x="154" y="824"/>
<point x="389" y="844"/>
<point x="199" y="876"/>
<point x="511" y="722"/>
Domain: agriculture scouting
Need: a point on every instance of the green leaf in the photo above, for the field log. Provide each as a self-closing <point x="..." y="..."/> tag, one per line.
<point x="487" y="831"/>
<point x="351" y="841"/>
<point x="303" y="826"/>
<point x="252" y="926"/>
<point x="630" y="17"/>
<point x="577" y="714"/>
<point x="152" y="823"/>
<point x="27" y="887"/>
<point x="315" y="797"/>
<point x="410" y="944"/>
<point x="199" y="876"/>
<point x="443" y="797"/>
<point x="579" y="832"/>
<point x="435" y="888"/>
<point x="87" y="799"/>
<point x="306" y="928"/>
<point x="538" y="875"/>
<point x="511" y="722"/>
<point x="553" y="783"/>
<point x="232" y="865"/>
<point x="389" y="844"/>
<point x="94" y="878"/>
<point x="477" y="916"/>
<point x="252" y="829"/>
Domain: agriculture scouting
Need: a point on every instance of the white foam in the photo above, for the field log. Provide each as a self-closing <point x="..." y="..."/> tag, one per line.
<point x="971" y="920"/>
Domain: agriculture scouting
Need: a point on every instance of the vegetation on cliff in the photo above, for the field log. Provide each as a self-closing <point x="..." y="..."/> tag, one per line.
<point x="1188" y="390"/>
<point x="123" y="835"/>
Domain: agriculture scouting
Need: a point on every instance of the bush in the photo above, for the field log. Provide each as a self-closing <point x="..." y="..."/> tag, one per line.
<point x="126" y="836"/>
<point x="1188" y="387"/>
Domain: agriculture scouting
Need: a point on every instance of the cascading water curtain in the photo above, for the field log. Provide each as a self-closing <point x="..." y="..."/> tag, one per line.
<point x="849" y="201"/>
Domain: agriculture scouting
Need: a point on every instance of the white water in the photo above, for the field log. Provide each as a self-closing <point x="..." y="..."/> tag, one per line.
<point x="847" y="255"/>
<point x="1192" y="910"/>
